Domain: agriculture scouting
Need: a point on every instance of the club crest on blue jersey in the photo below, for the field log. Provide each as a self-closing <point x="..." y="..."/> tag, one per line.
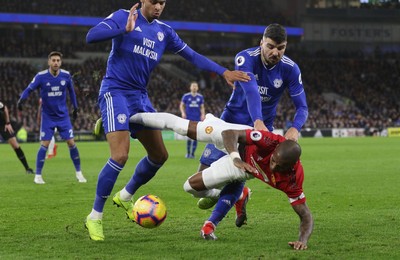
<point x="278" y="83"/>
<point x="207" y="152"/>
<point x="121" y="118"/>
<point x="160" y="36"/>
<point x="62" y="82"/>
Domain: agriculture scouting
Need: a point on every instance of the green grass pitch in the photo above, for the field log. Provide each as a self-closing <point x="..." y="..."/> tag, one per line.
<point x="352" y="188"/>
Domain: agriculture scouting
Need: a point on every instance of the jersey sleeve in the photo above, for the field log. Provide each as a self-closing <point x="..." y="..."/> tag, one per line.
<point x="298" y="96"/>
<point x="200" y="61"/>
<point x="245" y="63"/>
<point x="35" y="84"/>
<point x="295" y="192"/>
<point x="110" y="27"/>
<point x="72" y="94"/>
<point x="266" y="141"/>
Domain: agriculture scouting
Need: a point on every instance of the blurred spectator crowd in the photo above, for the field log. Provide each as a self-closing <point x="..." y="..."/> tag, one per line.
<point x="260" y="12"/>
<point x="365" y="91"/>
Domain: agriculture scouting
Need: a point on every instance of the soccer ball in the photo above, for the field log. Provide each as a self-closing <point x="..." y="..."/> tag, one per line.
<point x="149" y="211"/>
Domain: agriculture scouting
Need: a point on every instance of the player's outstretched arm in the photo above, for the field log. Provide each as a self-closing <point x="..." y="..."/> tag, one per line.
<point x="306" y="226"/>
<point x="236" y="75"/>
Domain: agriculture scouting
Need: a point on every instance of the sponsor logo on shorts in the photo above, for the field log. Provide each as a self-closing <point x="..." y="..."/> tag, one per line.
<point x="121" y="118"/>
<point x="209" y="129"/>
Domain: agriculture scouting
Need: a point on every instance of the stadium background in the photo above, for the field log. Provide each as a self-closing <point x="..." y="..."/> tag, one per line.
<point x="348" y="52"/>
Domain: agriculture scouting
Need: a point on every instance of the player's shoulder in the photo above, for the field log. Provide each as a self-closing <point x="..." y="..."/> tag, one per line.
<point x="286" y="61"/>
<point x="119" y="16"/>
<point x="162" y="24"/>
<point x="248" y="55"/>
<point x="186" y="95"/>
<point x="250" y="52"/>
<point x="43" y="72"/>
<point x="66" y="72"/>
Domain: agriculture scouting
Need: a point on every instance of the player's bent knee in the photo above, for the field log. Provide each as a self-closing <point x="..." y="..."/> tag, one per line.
<point x="187" y="187"/>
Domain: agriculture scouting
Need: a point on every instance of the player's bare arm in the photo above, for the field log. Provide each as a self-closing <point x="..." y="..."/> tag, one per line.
<point x="232" y="76"/>
<point x="306" y="226"/>
<point x="231" y="138"/>
<point x="130" y="23"/>
<point x="292" y="134"/>
<point x="259" y="125"/>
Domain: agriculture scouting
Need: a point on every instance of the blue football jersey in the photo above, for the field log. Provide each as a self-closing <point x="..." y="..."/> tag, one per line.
<point x="134" y="55"/>
<point x="270" y="82"/>
<point x="53" y="91"/>
<point x="193" y="105"/>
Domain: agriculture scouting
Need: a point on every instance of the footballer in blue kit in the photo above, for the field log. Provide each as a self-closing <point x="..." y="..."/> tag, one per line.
<point x="53" y="84"/>
<point x="139" y="40"/>
<point x="272" y="73"/>
<point x="192" y="108"/>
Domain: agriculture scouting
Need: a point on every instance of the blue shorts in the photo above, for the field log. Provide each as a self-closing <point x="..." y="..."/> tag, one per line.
<point x="211" y="154"/>
<point x="49" y="124"/>
<point x="118" y="106"/>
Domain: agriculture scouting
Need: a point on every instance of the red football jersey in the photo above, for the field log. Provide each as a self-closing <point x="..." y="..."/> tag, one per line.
<point x="257" y="153"/>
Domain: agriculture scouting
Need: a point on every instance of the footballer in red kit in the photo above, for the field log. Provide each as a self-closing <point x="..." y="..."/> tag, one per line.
<point x="259" y="152"/>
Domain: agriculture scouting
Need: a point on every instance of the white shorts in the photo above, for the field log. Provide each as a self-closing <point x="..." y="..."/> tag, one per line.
<point x="223" y="172"/>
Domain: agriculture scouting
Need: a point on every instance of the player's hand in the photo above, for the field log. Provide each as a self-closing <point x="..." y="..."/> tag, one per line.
<point x="259" y="125"/>
<point x="236" y="75"/>
<point x="298" y="245"/>
<point x="20" y="104"/>
<point x="130" y="23"/>
<point x="8" y="128"/>
<point x="244" y="166"/>
<point x="292" y="134"/>
<point x="75" y="114"/>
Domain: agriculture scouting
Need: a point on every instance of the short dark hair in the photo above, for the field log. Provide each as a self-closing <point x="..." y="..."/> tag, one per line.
<point x="276" y="32"/>
<point x="55" y="53"/>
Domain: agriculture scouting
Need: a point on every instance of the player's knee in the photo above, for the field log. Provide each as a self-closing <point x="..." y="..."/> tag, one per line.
<point x="160" y="157"/>
<point x="187" y="187"/>
<point x="120" y="158"/>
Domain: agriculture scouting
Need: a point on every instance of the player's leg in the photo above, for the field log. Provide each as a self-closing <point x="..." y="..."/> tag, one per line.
<point x="220" y="173"/>
<point x="76" y="160"/>
<point x="148" y="166"/>
<point x="194" y="147"/>
<point x="113" y="107"/>
<point x="66" y="132"/>
<point x="52" y="150"/>
<point x="40" y="158"/>
<point x="208" y="131"/>
<point x="188" y="147"/>
<point x="18" y="150"/>
<point x="46" y="132"/>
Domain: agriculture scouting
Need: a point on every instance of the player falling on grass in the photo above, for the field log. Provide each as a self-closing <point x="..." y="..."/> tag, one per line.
<point x="271" y="158"/>
<point x="272" y="73"/>
<point x="8" y="135"/>
<point x="53" y="84"/>
<point x="192" y="108"/>
<point x="139" y="40"/>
